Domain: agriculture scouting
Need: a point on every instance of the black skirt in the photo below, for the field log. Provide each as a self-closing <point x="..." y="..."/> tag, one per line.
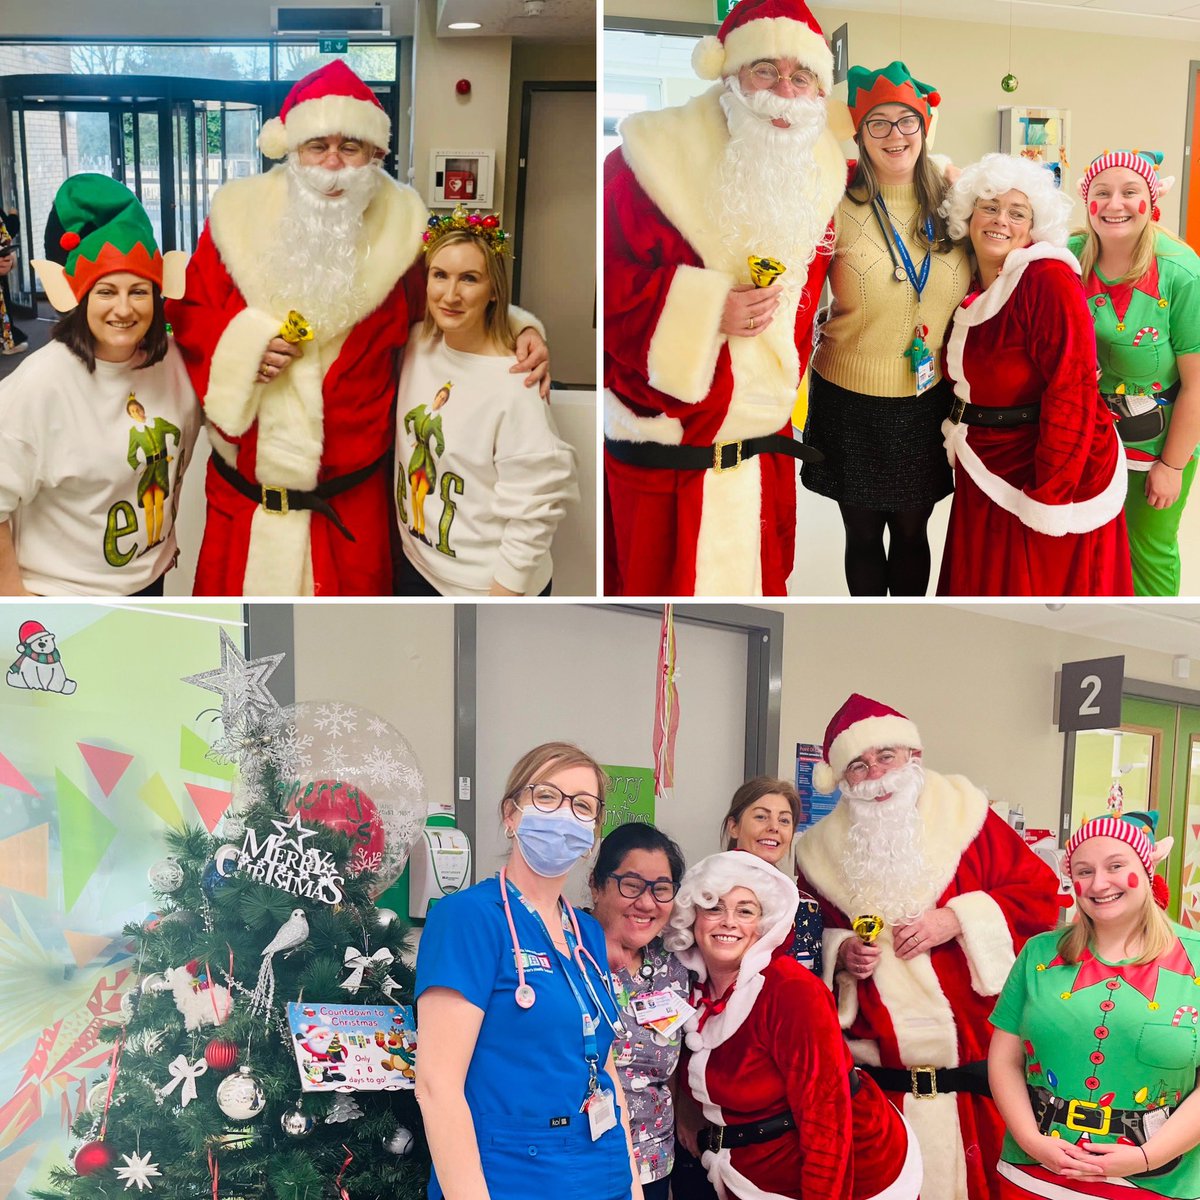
<point x="881" y="452"/>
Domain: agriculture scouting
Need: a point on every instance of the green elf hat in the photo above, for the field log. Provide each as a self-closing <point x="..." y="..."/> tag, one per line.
<point x="892" y="85"/>
<point x="97" y="227"/>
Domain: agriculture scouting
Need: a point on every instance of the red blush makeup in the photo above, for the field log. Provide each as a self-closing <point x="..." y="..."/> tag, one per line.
<point x="1132" y="881"/>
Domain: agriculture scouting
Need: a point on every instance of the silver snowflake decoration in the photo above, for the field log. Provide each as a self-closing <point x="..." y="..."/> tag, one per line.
<point x="335" y="760"/>
<point x="382" y="767"/>
<point x="240" y="682"/>
<point x="335" y="719"/>
<point x="377" y="727"/>
<point x="138" y="1169"/>
<point x="292" y="752"/>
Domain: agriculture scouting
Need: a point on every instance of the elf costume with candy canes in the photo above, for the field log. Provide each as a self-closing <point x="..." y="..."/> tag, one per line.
<point x="690" y="508"/>
<point x="928" y="1013"/>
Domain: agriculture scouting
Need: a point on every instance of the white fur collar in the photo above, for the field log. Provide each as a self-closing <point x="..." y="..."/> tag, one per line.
<point x="995" y="297"/>
<point x="953" y="810"/>
<point x="675" y="155"/>
<point x="244" y="209"/>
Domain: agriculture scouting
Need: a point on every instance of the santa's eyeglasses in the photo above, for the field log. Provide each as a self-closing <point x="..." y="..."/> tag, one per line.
<point x="765" y="75"/>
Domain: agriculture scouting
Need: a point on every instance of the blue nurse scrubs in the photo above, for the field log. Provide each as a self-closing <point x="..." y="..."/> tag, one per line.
<point x="528" y="1075"/>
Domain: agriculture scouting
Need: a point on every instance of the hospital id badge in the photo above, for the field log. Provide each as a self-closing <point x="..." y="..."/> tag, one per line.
<point x="662" y="1011"/>
<point x="924" y="374"/>
<point x="601" y="1113"/>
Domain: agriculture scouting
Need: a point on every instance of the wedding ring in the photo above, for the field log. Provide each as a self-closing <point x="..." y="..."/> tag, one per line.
<point x="751" y="325"/>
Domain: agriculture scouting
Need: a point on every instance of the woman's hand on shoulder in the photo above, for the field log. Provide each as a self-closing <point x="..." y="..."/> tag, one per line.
<point x="533" y="360"/>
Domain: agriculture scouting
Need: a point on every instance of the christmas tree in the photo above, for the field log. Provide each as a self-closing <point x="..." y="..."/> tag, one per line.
<point x="205" y="1092"/>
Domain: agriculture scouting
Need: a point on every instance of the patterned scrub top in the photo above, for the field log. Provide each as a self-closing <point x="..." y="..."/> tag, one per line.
<point x="645" y="1060"/>
<point x="1111" y="1049"/>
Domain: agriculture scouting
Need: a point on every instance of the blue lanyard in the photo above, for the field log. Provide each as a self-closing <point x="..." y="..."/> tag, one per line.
<point x="591" y="1048"/>
<point x="918" y="281"/>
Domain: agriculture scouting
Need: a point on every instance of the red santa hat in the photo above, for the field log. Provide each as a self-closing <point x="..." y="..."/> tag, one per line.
<point x="860" y="724"/>
<point x="30" y="629"/>
<point x="757" y="29"/>
<point x="330" y="100"/>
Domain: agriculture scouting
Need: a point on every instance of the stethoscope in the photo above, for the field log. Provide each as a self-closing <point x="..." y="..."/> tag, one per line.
<point x="524" y="993"/>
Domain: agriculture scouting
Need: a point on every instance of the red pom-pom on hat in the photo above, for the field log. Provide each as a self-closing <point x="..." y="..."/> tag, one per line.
<point x="1160" y="891"/>
<point x="69" y="240"/>
<point x="933" y="99"/>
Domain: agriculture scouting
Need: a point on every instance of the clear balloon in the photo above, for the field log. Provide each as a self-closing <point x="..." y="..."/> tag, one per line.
<point x="374" y="788"/>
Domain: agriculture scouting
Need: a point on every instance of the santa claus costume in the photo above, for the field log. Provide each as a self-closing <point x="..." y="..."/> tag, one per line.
<point x="298" y="485"/>
<point x="925" y="1019"/>
<point x="700" y="490"/>
<point x="1037" y="507"/>
<point x="767" y="1058"/>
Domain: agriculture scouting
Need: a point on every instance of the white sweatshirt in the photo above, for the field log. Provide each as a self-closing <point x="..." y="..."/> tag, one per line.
<point x="498" y="475"/>
<point x="66" y="483"/>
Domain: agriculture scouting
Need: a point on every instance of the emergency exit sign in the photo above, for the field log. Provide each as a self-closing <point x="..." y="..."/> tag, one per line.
<point x="336" y="45"/>
<point x="723" y="7"/>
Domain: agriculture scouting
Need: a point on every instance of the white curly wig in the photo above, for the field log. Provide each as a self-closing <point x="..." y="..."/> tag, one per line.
<point x="995" y="174"/>
<point x="717" y="875"/>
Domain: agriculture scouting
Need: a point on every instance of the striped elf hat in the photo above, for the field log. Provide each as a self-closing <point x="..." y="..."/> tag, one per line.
<point x="1135" y="829"/>
<point x="1145" y="163"/>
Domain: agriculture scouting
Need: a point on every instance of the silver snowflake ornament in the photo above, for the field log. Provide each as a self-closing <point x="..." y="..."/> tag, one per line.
<point x="138" y="1169"/>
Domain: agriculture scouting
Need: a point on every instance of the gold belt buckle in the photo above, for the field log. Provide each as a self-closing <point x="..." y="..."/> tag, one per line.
<point x="282" y="493"/>
<point x="1084" y="1116"/>
<point x="916" y="1073"/>
<point x="717" y="466"/>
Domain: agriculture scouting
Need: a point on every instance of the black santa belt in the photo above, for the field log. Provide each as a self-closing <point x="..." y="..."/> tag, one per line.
<point x="282" y="500"/>
<point x="926" y="1082"/>
<point x="725" y="1137"/>
<point x="962" y="413"/>
<point x="721" y="456"/>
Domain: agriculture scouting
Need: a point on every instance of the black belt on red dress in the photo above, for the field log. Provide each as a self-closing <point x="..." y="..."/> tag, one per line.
<point x="925" y="1082"/>
<point x="962" y="413"/>
<point x="282" y="500"/>
<point x="722" y="456"/>
<point x="725" y="1137"/>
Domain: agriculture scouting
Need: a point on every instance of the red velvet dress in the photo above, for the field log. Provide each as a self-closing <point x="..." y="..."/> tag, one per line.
<point x="1037" y="508"/>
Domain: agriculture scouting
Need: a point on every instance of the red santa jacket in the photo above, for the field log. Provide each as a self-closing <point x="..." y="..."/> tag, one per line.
<point x="933" y="1010"/>
<point x="331" y="413"/>
<point x="673" y="377"/>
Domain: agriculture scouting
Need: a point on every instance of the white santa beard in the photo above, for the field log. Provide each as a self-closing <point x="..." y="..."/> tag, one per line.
<point x="885" y="846"/>
<point x="765" y="202"/>
<point x="312" y="259"/>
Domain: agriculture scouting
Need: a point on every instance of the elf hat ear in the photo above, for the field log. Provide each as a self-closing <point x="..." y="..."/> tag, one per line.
<point x="1161" y="849"/>
<point x="174" y="269"/>
<point x="55" y="284"/>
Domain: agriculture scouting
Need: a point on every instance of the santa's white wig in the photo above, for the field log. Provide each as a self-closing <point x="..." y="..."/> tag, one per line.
<point x="716" y="876"/>
<point x="995" y="174"/>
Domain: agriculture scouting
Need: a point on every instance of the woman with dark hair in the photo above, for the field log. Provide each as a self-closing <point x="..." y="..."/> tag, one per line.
<point x="762" y="819"/>
<point x="633" y="885"/>
<point x="876" y="395"/>
<point x="515" y="1077"/>
<point x="101" y="422"/>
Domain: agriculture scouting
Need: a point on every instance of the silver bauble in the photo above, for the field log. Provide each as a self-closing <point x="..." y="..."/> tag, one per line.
<point x="240" y="1096"/>
<point x="154" y="982"/>
<point x="386" y="917"/>
<point x="166" y="876"/>
<point x="97" y="1095"/>
<point x="128" y="1005"/>
<point x="296" y="1124"/>
<point x="400" y="1142"/>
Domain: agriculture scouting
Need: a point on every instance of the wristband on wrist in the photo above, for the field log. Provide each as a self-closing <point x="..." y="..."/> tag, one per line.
<point x="1145" y="1156"/>
<point x="1168" y="465"/>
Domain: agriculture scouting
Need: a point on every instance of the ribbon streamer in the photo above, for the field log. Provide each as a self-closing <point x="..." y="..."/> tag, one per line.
<point x="113" y="1066"/>
<point x="337" y="1183"/>
<point x="666" y="708"/>
<point x="356" y="962"/>
<point x="214" y="1169"/>
<point x="186" y="1073"/>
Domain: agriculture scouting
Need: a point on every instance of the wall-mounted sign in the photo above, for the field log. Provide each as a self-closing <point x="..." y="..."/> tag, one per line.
<point x="1089" y="693"/>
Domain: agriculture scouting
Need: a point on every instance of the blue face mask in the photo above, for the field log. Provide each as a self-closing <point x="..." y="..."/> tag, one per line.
<point x="552" y="844"/>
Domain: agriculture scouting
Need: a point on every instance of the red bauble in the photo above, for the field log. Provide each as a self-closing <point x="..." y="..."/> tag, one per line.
<point x="92" y="1157"/>
<point x="221" y="1054"/>
<point x="347" y="809"/>
<point x="463" y="87"/>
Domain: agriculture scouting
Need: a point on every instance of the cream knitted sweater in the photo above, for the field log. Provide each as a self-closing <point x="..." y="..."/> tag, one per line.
<point x="871" y="323"/>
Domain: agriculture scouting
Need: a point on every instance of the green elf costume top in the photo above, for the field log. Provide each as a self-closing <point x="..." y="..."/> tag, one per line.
<point x="1112" y="1048"/>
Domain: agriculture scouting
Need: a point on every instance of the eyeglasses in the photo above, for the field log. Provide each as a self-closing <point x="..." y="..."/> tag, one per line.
<point x="766" y="75"/>
<point x="547" y="798"/>
<point x="742" y="913"/>
<point x="880" y="127"/>
<point x="1016" y="214"/>
<point x="861" y="767"/>
<point x="631" y="885"/>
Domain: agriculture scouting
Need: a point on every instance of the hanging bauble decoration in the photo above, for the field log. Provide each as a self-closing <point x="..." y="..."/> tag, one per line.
<point x="386" y="917"/>
<point x="148" y="985"/>
<point x="92" y="1157"/>
<point x="166" y="876"/>
<point x="1009" y="82"/>
<point x="221" y="1054"/>
<point x="241" y="1097"/>
<point x="127" y="1009"/>
<point x="231" y="827"/>
<point x="220" y="869"/>
<point x="96" y="1098"/>
<point x="355" y="748"/>
<point x="400" y="1142"/>
<point x="296" y="1124"/>
<point x="345" y="1108"/>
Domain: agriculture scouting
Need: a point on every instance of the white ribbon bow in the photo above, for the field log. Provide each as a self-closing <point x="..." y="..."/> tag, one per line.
<point x="186" y="1073"/>
<point x="356" y="962"/>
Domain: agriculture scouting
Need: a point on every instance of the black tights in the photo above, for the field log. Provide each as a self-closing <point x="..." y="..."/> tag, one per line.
<point x="900" y="570"/>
